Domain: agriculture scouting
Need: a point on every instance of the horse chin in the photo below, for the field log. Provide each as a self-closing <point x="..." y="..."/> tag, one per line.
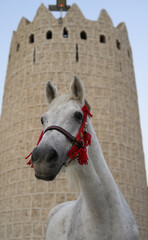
<point x="45" y="178"/>
<point x="49" y="175"/>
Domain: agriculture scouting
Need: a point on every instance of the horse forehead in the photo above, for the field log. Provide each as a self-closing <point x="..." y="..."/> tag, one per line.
<point x="63" y="105"/>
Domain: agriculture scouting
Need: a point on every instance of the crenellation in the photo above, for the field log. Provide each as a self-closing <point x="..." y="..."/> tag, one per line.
<point x="74" y="16"/>
<point x="42" y="14"/>
<point x="22" y="24"/>
<point x="89" y="32"/>
<point x="104" y="21"/>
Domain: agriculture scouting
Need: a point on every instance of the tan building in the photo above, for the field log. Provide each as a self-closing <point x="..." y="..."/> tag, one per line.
<point x="101" y="55"/>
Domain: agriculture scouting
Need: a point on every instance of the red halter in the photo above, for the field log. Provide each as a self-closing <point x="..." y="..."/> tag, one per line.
<point x="80" y="142"/>
<point x="83" y="138"/>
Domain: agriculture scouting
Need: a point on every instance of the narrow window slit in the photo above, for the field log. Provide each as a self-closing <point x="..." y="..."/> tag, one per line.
<point x="118" y="45"/>
<point x="31" y="38"/>
<point x="77" y="53"/>
<point x="83" y="35"/>
<point x="49" y="35"/>
<point x="18" y="47"/>
<point x="120" y="67"/>
<point x="128" y="53"/>
<point x="34" y="55"/>
<point x="65" y="33"/>
<point x="102" y="39"/>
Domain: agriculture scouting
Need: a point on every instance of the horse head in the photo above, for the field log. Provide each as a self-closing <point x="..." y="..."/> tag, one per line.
<point x="66" y="113"/>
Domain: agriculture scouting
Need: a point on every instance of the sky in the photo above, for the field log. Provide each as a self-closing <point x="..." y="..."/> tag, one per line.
<point x="133" y="12"/>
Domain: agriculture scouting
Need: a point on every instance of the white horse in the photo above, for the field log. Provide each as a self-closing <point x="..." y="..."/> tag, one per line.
<point x="100" y="212"/>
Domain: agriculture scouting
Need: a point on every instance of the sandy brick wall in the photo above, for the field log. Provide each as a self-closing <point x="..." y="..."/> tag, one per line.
<point x="106" y="68"/>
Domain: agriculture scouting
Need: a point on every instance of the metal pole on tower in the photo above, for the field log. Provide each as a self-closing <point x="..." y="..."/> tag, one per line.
<point x="60" y="6"/>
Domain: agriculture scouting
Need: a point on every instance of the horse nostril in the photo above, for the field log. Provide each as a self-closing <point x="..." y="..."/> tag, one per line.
<point x="52" y="154"/>
<point x="52" y="158"/>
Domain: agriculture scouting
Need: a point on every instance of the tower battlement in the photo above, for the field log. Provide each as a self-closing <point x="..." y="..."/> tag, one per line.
<point x="101" y="34"/>
<point x="54" y="49"/>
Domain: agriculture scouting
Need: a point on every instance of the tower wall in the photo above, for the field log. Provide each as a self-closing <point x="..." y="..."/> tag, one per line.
<point x="104" y="63"/>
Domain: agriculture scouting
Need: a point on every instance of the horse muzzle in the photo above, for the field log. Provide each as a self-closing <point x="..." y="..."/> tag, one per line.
<point x="46" y="162"/>
<point x="46" y="154"/>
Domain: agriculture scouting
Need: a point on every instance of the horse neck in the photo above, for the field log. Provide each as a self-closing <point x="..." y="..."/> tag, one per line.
<point x="96" y="181"/>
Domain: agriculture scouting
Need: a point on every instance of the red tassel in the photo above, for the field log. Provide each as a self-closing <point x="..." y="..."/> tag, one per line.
<point x="29" y="162"/>
<point x="86" y="110"/>
<point x="28" y="155"/>
<point x="78" y="153"/>
<point x="82" y="158"/>
<point x="74" y="151"/>
<point x="40" y="138"/>
<point x="87" y="139"/>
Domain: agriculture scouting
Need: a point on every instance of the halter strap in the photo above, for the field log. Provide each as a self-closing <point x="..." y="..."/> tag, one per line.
<point x="62" y="130"/>
<point x="67" y="134"/>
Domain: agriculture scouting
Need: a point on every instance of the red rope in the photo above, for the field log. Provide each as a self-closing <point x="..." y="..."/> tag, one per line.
<point x="29" y="162"/>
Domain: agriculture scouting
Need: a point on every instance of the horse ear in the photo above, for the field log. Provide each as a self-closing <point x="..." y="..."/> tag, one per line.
<point x="77" y="89"/>
<point x="51" y="92"/>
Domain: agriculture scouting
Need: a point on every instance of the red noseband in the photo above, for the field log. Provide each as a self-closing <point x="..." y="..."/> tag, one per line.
<point x="80" y="142"/>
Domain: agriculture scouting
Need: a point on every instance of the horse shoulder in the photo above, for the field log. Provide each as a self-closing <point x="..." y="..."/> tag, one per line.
<point x="58" y="219"/>
<point x="130" y="220"/>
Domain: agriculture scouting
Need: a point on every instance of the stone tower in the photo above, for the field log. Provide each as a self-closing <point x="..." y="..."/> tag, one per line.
<point x="55" y="49"/>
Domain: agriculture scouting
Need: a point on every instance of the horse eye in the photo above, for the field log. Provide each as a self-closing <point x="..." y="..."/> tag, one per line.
<point x="78" y="115"/>
<point x="42" y="120"/>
